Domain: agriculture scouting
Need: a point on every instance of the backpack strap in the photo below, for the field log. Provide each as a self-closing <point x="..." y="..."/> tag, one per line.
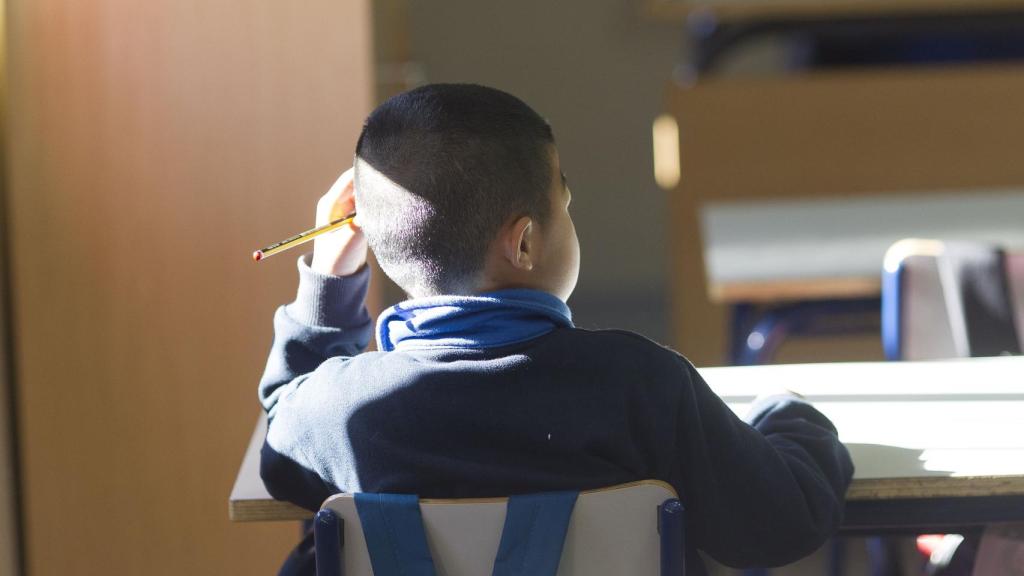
<point x="534" y="534"/>
<point x="395" y="539"/>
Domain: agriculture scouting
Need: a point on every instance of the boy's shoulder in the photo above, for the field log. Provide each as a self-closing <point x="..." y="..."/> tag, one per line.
<point x="616" y="347"/>
<point x="582" y="351"/>
<point x="566" y="341"/>
<point x="631" y="341"/>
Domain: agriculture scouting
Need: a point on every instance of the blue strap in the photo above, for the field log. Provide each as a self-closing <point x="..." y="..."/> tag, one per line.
<point x="394" y="534"/>
<point x="534" y="534"/>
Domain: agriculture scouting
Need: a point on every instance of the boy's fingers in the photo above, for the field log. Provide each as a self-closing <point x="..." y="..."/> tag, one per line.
<point x="338" y="201"/>
<point x="345" y="204"/>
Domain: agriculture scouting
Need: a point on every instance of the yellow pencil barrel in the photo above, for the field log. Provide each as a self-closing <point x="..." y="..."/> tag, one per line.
<point x="301" y="238"/>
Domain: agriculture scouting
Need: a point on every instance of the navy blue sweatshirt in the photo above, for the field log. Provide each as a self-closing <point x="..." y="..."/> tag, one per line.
<point x="573" y="409"/>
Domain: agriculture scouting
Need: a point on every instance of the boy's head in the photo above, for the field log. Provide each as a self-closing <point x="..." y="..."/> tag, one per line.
<point x="459" y="190"/>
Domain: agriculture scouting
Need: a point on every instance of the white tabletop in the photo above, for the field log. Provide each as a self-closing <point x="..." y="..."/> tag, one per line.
<point x="955" y="426"/>
<point x="751" y="246"/>
<point x="249" y="500"/>
<point x="916" y="430"/>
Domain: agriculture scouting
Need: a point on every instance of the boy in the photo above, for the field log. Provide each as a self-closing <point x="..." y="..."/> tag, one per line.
<point x="481" y="385"/>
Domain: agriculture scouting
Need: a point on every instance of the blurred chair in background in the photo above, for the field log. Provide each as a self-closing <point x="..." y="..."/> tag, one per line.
<point x="948" y="300"/>
<point x="951" y="300"/>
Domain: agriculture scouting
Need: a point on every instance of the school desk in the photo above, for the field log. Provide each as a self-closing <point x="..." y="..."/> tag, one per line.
<point x="766" y="252"/>
<point x="753" y="10"/>
<point x="871" y="32"/>
<point x="790" y="263"/>
<point x="858" y="134"/>
<point x="938" y="446"/>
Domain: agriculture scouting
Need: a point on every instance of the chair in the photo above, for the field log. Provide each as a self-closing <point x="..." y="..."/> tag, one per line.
<point x="951" y="300"/>
<point x="634" y="528"/>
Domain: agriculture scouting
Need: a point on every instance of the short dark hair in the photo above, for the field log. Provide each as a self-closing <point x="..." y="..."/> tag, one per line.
<point x="451" y="163"/>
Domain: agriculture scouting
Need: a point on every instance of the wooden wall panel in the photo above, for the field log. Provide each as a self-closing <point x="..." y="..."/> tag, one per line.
<point x="8" y="510"/>
<point x="8" y="504"/>
<point x="153" y="146"/>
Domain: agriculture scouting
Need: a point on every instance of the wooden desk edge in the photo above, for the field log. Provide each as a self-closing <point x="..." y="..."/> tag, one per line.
<point x="267" y="510"/>
<point x="935" y="487"/>
<point x="774" y="291"/>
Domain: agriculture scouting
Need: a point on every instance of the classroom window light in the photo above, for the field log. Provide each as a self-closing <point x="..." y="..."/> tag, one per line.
<point x="665" y="133"/>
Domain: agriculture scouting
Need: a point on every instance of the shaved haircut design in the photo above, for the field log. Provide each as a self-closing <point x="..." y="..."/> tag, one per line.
<point x="439" y="170"/>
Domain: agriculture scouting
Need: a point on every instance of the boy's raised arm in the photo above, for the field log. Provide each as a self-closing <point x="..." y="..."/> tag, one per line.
<point x="325" y="325"/>
<point x="328" y="317"/>
<point x="764" y="492"/>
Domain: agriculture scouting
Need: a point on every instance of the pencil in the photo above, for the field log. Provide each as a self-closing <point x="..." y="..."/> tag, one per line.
<point x="301" y="238"/>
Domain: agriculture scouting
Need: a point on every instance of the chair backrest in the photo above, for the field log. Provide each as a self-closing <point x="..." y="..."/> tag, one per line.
<point x="951" y="300"/>
<point x="612" y="530"/>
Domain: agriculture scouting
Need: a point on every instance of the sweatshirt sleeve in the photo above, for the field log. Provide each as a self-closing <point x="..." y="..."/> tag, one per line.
<point x="327" y="321"/>
<point x="764" y="492"/>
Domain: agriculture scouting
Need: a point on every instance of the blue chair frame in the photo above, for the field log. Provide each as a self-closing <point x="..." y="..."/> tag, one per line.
<point x="757" y="335"/>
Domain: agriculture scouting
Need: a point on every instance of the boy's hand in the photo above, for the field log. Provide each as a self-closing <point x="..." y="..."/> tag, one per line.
<point x="777" y="392"/>
<point x="343" y="251"/>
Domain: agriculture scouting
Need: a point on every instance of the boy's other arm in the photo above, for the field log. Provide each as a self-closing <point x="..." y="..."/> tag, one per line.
<point x="762" y="493"/>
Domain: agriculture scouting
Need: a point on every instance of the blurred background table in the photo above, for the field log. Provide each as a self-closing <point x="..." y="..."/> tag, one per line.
<point x="889" y="148"/>
<point x="788" y="261"/>
<point x="730" y="10"/>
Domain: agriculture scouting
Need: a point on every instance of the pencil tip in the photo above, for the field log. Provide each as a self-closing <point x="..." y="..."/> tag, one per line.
<point x="257" y="256"/>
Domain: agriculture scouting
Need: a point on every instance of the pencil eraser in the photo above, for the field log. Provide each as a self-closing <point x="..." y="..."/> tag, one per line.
<point x="257" y="256"/>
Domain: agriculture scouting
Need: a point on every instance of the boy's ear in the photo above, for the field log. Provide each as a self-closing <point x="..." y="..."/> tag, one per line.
<point x="518" y="243"/>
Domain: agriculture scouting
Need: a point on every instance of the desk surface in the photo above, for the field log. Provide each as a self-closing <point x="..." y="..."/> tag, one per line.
<point x="810" y="249"/>
<point x="919" y="433"/>
<point x="249" y="500"/>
